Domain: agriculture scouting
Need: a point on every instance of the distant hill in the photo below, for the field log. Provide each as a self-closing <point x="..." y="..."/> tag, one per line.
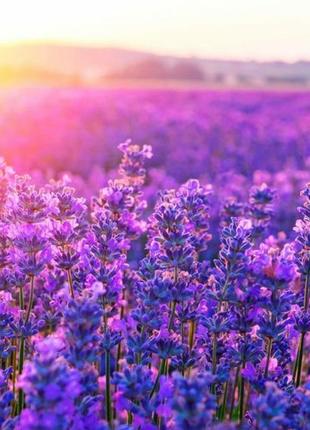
<point x="160" y="69"/>
<point x="95" y="65"/>
<point x="70" y="60"/>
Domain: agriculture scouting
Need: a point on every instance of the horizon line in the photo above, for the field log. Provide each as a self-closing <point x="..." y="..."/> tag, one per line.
<point x="101" y="45"/>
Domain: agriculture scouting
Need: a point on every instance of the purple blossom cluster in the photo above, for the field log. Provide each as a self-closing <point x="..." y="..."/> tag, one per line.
<point x="96" y="336"/>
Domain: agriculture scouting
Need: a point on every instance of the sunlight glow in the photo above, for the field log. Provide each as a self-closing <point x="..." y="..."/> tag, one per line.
<point x="259" y="29"/>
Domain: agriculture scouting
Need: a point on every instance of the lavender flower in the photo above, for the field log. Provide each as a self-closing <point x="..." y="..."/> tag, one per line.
<point x="131" y="321"/>
<point x="193" y="404"/>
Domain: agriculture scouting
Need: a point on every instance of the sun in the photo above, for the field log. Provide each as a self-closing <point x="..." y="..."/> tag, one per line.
<point x="18" y="21"/>
<point x="40" y="20"/>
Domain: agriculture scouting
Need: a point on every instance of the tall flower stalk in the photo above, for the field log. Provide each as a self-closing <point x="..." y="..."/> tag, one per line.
<point x="303" y="261"/>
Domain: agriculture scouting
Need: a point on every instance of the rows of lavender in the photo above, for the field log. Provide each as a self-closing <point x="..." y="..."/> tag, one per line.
<point x="230" y="139"/>
<point x="93" y="338"/>
<point x="193" y="133"/>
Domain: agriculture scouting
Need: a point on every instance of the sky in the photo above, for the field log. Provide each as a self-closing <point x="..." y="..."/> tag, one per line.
<point x="234" y="29"/>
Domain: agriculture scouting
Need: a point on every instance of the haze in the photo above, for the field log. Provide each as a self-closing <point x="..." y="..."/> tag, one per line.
<point x="233" y="29"/>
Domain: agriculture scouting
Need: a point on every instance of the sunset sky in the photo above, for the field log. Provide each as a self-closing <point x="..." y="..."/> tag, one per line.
<point x="245" y="29"/>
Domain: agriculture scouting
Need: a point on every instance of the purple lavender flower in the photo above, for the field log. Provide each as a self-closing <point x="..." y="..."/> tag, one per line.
<point x="232" y="321"/>
<point x="269" y="410"/>
<point x="82" y="321"/>
<point x="51" y="389"/>
<point x="193" y="404"/>
<point x="260" y="208"/>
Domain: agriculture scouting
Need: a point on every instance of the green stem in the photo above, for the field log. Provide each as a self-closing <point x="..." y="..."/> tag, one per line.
<point x="31" y="298"/>
<point x="232" y="404"/>
<point x="296" y="361"/>
<point x="269" y="349"/>
<point x="161" y="371"/>
<point x="119" y="346"/>
<point x="182" y="340"/>
<point x="222" y="410"/>
<point x="108" y="405"/>
<point x="172" y="313"/>
<point x="241" y="402"/>
<point x="21" y="354"/>
<point x="118" y="356"/>
<point x="214" y="351"/>
<point x="174" y="303"/>
<point x="138" y="358"/>
<point x="20" y="371"/>
<point x="166" y="370"/>
<point x="191" y="339"/>
<point x="307" y="292"/>
<point x="129" y="417"/>
<point x="70" y="282"/>
<point x="191" y="336"/>
<point x="299" y="360"/>
<point x="182" y="324"/>
<point x="14" y="363"/>
<point x="300" y="352"/>
<point x="21" y="298"/>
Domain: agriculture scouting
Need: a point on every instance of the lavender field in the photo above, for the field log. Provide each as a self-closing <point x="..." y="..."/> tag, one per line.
<point x="154" y="260"/>
<point x="231" y="140"/>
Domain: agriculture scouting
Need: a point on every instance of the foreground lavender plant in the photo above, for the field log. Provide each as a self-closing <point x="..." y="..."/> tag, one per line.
<point x="96" y="336"/>
<point x="303" y="261"/>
